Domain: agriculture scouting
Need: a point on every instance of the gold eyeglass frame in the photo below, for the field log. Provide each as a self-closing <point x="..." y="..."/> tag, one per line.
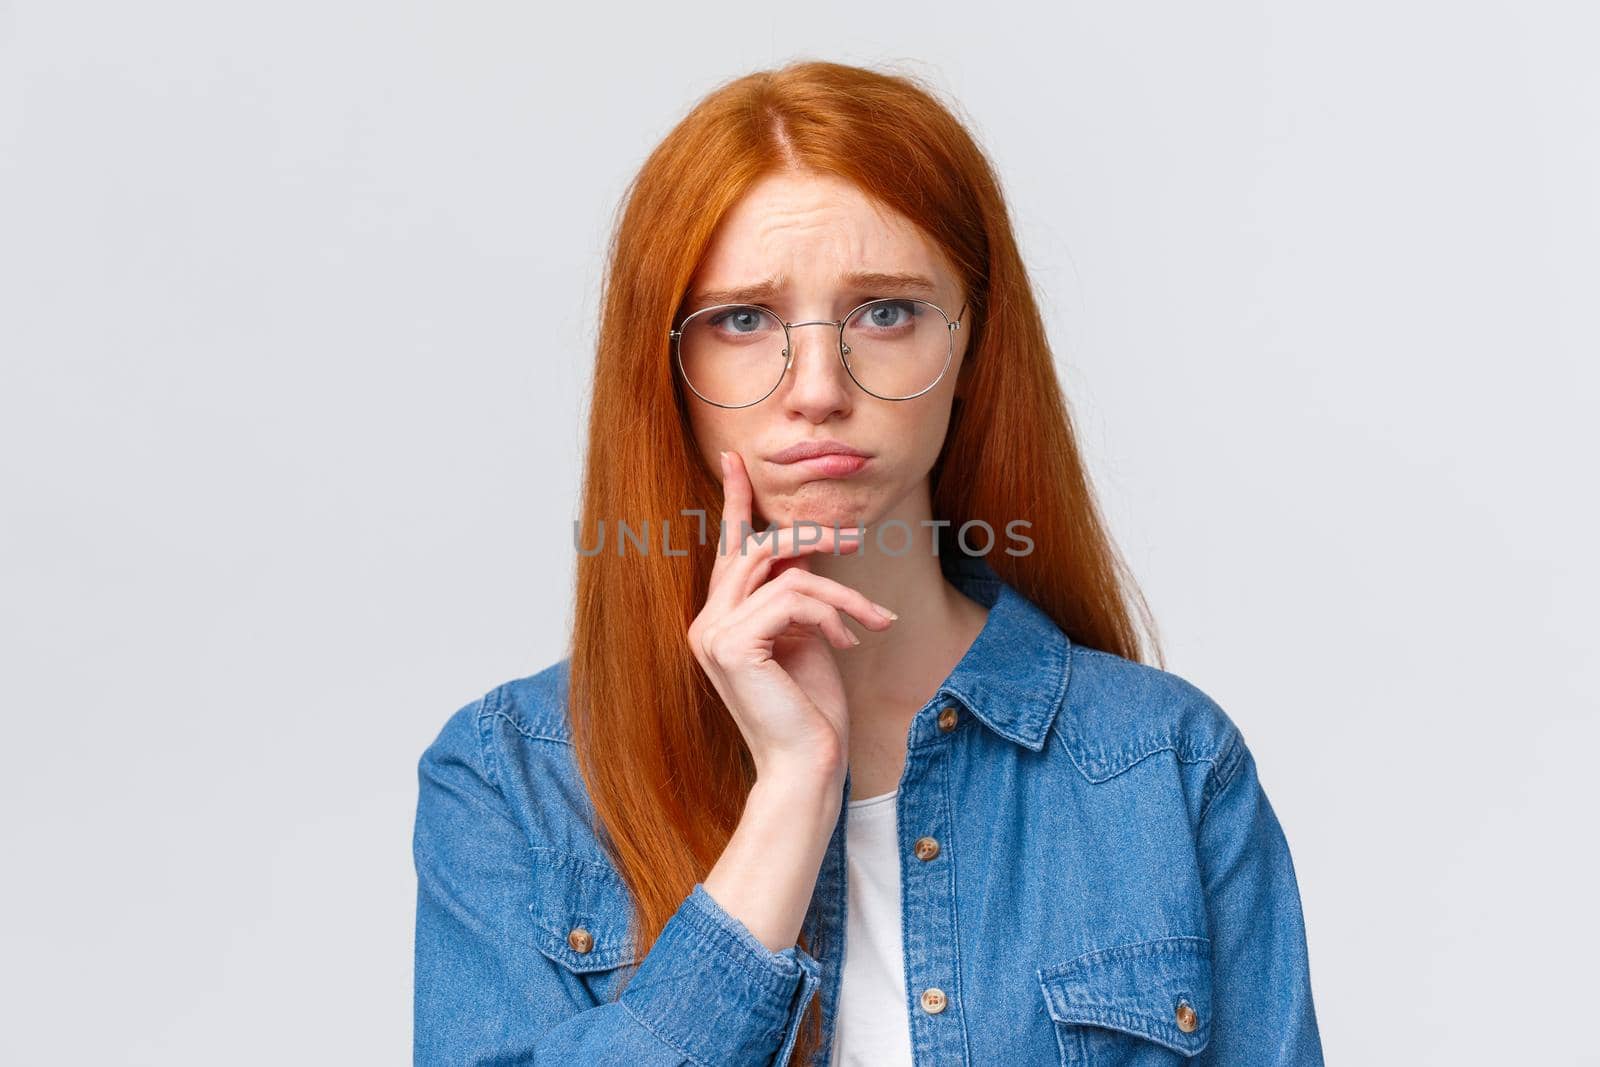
<point x="951" y="325"/>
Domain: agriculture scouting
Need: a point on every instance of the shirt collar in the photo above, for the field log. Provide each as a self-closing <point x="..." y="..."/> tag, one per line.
<point x="1014" y="676"/>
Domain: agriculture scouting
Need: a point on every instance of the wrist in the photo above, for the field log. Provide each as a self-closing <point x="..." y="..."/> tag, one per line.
<point x="797" y="781"/>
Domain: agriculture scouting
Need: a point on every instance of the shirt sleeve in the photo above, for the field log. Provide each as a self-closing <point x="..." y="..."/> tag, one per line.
<point x="1261" y="985"/>
<point x="707" y="993"/>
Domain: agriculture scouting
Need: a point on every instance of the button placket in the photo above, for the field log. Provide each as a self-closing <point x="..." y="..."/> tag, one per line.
<point x="932" y="971"/>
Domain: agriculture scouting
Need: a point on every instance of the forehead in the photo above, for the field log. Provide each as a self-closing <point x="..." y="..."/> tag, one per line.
<point x="810" y="228"/>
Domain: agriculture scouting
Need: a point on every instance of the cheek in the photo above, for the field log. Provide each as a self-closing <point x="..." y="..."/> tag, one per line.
<point x="707" y="434"/>
<point x="716" y="430"/>
<point x="909" y="449"/>
<point x="927" y="433"/>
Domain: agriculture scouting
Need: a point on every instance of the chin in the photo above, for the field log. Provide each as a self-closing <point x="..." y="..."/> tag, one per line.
<point x="824" y="502"/>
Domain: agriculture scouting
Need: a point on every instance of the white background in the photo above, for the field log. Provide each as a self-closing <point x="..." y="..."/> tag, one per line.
<point x="297" y="305"/>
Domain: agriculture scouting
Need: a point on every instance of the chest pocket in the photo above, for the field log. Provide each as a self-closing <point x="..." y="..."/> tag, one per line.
<point x="1146" y="1004"/>
<point x="581" y="913"/>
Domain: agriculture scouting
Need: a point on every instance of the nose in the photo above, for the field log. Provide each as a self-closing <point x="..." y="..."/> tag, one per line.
<point x="817" y="385"/>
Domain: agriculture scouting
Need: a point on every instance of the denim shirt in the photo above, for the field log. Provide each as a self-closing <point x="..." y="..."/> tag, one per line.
<point x="1091" y="874"/>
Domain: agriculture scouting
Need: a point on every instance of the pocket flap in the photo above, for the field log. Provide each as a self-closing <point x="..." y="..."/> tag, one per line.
<point x="1160" y="990"/>
<point x="581" y="913"/>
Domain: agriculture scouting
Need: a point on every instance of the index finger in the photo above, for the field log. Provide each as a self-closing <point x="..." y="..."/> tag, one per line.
<point x="736" y="504"/>
<point x="775" y="551"/>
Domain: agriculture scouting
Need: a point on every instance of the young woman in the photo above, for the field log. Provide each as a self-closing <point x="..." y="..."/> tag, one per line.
<point x="886" y="783"/>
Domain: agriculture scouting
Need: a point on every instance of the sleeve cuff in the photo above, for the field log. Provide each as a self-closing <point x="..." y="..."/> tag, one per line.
<point x="712" y="990"/>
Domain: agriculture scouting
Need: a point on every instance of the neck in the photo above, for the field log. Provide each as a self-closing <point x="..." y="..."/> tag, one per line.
<point x="893" y="673"/>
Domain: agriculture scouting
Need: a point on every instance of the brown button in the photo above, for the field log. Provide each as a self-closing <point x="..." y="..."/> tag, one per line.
<point x="580" y="939"/>
<point x="1187" y="1019"/>
<point x="927" y="848"/>
<point x="933" y="1000"/>
<point x="947" y="719"/>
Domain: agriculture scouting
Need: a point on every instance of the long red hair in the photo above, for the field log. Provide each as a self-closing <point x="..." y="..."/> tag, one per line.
<point x="664" y="764"/>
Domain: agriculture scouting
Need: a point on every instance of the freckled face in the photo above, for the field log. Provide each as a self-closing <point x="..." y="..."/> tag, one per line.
<point x="810" y="231"/>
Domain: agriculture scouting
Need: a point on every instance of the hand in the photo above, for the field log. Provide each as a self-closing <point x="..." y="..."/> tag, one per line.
<point x="764" y="636"/>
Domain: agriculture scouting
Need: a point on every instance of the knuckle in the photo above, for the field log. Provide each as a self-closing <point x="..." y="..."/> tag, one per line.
<point x="697" y="634"/>
<point x="791" y="578"/>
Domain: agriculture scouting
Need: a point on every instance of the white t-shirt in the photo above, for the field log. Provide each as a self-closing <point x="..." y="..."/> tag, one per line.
<point x="872" y="1027"/>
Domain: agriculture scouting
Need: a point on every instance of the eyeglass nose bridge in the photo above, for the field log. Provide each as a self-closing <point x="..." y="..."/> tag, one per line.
<point x="788" y="353"/>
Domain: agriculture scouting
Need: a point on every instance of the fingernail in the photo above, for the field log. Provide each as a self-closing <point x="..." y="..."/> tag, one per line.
<point x="853" y="638"/>
<point x="885" y="612"/>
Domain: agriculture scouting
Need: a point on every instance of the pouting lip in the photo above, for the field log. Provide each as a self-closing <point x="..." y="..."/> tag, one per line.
<point x="809" y="449"/>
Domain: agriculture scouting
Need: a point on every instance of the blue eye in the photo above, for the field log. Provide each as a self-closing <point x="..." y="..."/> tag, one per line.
<point x="887" y="314"/>
<point x="741" y="320"/>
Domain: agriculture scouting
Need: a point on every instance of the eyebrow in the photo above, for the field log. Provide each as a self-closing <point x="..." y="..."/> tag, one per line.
<point x="893" y="283"/>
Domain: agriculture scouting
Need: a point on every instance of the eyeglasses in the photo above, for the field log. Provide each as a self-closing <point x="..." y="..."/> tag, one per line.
<point x="734" y="355"/>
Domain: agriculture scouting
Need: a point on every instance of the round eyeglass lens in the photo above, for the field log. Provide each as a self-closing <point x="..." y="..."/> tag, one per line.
<point x="732" y="355"/>
<point x="897" y="348"/>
